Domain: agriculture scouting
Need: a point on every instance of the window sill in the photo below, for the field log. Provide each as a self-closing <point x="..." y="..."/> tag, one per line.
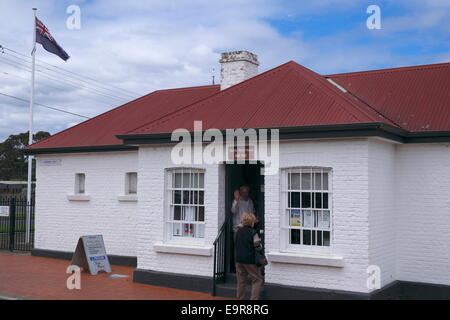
<point x="127" y="198"/>
<point x="308" y="259"/>
<point x="78" y="197"/>
<point x="182" y="249"/>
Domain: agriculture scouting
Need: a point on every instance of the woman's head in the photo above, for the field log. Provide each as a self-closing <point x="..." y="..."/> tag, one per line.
<point x="248" y="219"/>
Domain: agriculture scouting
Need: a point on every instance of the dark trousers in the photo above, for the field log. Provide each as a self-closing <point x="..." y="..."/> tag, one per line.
<point x="244" y="270"/>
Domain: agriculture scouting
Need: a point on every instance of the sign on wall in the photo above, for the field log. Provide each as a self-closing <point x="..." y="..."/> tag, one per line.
<point x="91" y="254"/>
<point x="241" y="153"/>
<point x="4" y="211"/>
<point x="50" y="162"/>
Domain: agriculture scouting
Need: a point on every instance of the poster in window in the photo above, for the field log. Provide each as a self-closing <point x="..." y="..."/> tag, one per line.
<point x="324" y="223"/>
<point x="307" y="218"/>
<point x="177" y="229"/>
<point x="296" y="218"/>
<point x="188" y="230"/>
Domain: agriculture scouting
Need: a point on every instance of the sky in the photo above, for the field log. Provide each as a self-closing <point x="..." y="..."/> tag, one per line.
<point x="131" y="48"/>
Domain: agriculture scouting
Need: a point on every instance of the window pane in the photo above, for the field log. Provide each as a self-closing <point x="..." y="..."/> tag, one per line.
<point x="325" y="200"/>
<point x="316" y="218"/>
<point x="308" y="218"/>
<point x="294" y="200"/>
<point x="189" y="213"/>
<point x="80" y="179"/>
<point x="176" y="213"/>
<point x="201" y="180"/>
<point x="317" y="181"/>
<point x="199" y="231"/>
<point x="176" y="180"/>
<point x="306" y="200"/>
<point x="132" y="182"/>
<point x="194" y="180"/>
<point x="177" y="196"/>
<point x="188" y="230"/>
<point x="176" y="229"/>
<point x="186" y="180"/>
<point x="295" y="237"/>
<point x="194" y="197"/>
<point x="324" y="222"/>
<point x="185" y="197"/>
<point x="201" y="214"/>
<point x="306" y="181"/>
<point x="318" y="200"/>
<point x="294" y="181"/>
<point x="326" y="238"/>
<point x="307" y="237"/>
<point x="201" y="196"/>
<point x="325" y="181"/>
<point x="319" y="238"/>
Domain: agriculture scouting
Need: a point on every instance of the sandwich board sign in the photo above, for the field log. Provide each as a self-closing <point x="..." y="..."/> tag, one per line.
<point x="91" y="254"/>
<point x="4" y="211"/>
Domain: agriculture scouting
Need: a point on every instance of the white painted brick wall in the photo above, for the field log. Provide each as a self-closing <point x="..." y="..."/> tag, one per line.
<point x="423" y="213"/>
<point x="401" y="193"/>
<point x="60" y="222"/>
<point x="152" y="164"/>
<point x="349" y="162"/>
<point x="382" y="217"/>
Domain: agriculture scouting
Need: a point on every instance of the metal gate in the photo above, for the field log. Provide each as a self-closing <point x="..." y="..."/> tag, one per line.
<point x="13" y="224"/>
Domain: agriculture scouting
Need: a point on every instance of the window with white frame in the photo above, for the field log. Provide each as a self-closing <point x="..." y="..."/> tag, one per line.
<point x="307" y="207"/>
<point x="185" y="203"/>
<point x="131" y="183"/>
<point x="80" y="181"/>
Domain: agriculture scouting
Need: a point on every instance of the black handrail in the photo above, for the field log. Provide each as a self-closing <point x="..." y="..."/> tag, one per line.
<point x="220" y="256"/>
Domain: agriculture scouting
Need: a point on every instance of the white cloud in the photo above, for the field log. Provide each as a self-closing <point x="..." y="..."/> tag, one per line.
<point x="142" y="46"/>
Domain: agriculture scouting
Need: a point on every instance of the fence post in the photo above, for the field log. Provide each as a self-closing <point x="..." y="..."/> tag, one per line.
<point x="12" y="224"/>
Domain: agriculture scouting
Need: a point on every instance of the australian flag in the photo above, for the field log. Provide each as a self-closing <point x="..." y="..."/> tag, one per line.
<point x="49" y="43"/>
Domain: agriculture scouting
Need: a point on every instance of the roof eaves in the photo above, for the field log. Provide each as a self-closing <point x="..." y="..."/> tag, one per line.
<point x="81" y="149"/>
<point x="289" y="133"/>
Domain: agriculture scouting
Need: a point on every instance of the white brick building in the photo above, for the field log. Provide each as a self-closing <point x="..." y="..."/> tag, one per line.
<point x="362" y="182"/>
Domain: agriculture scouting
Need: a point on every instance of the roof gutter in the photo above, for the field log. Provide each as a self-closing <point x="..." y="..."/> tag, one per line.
<point x="82" y="149"/>
<point x="354" y="130"/>
<point x="372" y="129"/>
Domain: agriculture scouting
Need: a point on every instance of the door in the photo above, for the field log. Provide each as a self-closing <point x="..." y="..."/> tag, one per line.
<point x="237" y="175"/>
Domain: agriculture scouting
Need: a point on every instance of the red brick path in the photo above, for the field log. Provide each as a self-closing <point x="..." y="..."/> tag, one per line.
<point x="30" y="277"/>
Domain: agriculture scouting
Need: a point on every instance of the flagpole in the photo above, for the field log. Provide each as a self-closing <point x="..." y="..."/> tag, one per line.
<point x="30" y="133"/>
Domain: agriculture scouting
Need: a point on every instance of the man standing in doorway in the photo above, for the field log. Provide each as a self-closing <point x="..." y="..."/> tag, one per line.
<point x="241" y="204"/>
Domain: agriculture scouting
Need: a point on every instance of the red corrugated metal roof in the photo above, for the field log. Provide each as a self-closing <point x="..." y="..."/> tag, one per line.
<point x="415" y="98"/>
<point x="412" y="98"/>
<point x="102" y="130"/>
<point x="289" y="95"/>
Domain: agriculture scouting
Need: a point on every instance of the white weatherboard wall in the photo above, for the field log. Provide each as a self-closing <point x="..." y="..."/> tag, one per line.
<point x="423" y="213"/>
<point x="350" y="222"/>
<point x="153" y="162"/>
<point x="60" y="222"/>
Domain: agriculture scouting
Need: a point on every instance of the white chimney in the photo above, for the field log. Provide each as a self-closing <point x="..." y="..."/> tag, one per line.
<point x="237" y="66"/>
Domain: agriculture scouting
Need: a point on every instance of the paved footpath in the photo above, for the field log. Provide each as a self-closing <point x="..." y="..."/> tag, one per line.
<point x="27" y="277"/>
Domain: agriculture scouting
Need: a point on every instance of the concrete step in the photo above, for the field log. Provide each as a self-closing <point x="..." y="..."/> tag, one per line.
<point x="228" y="290"/>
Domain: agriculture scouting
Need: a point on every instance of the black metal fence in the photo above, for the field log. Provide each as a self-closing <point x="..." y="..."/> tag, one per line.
<point x="13" y="224"/>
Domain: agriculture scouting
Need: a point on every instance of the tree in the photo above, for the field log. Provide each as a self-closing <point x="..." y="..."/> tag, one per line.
<point x="13" y="161"/>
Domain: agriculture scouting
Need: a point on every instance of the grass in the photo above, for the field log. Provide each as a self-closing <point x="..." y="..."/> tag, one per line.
<point x="5" y="229"/>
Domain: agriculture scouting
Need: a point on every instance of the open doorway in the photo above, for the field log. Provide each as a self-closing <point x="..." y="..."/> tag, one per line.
<point x="237" y="175"/>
